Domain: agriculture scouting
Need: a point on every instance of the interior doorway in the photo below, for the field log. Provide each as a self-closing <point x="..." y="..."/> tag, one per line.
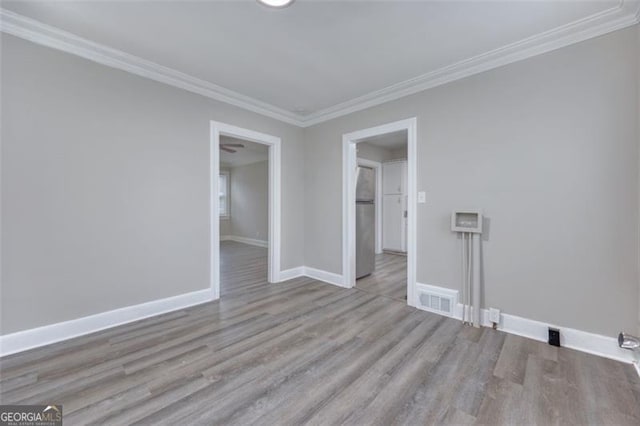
<point x="229" y="139"/>
<point x="381" y="215"/>
<point x="379" y="253"/>
<point x="244" y="214"/>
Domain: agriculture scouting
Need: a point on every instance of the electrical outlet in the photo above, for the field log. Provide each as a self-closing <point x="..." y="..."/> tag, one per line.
<point x="554" y="336"/>
<point x="494" y="315"/>
<point x="422" y="197"/>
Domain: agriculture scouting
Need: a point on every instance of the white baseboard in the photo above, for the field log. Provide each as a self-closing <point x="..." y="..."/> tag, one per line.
<point x="583" y="341"/>
<point x="327" y="277"/>
<point x="53" y="333"/>
<point x="46" y="335"/>
<point x="244" y="240"/>
<point x="316" y="274"/>
<point x="571" y="338"/>
<point x="289" y="274"/>
<point x="579" y="340"/>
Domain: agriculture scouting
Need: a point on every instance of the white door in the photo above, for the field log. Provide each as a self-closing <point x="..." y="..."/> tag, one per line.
<point x="394" y="177"/>
<point x="393" y="222"/>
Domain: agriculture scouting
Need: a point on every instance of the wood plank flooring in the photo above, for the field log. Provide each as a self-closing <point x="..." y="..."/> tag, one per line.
<point x="389" y="279"/>
<point x="304" y="352"/>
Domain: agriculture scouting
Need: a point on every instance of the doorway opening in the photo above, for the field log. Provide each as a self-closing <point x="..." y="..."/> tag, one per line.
<point x="245" y="205"/>
<point x="379" y="208"/>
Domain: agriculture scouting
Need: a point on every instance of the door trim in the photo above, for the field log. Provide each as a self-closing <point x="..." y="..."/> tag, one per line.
<point x="274" y="245"/>
<point x="349" y="163"/>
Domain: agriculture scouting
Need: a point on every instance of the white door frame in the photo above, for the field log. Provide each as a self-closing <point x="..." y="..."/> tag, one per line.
<point x="349" y="164"/>
<point x="274" y="144"/>
<point x="377" y="166"/>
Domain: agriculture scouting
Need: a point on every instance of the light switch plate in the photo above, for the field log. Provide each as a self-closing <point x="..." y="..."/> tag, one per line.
<point x="422" y="197"/>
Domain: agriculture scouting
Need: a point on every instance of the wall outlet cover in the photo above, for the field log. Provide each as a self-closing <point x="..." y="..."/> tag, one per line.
<point x="554" y="336"/>
<point x="422" y="197"/>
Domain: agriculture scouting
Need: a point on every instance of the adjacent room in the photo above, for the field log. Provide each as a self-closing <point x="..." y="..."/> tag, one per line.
<point x="244" y="214"/>
<point x="284" y="212"/>
<point x="381" y="215"/>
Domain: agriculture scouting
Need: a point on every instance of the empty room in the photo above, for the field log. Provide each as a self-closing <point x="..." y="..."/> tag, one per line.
<point x="285" y="212"/>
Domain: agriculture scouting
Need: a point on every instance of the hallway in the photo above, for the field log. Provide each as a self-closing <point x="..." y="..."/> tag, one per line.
<point x="389" y="278"/>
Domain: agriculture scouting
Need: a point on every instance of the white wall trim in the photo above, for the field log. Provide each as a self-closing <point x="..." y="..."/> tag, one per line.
<point x="327" y="277"/>
<point x="316" y="274"/>
<point x="349" y="162"/>
<point x="571" y="338"/>
<point x="292" y="273"/>
<point x="50" y="36"/>
<point x="583" y="341"/>
<point x="623" y="15"/>
<point x="46" y="335"/>
<point x="20" y="341"/>
<point x="377" y="166"/>
<point x="244" y="240"/>
<point x="275" y="170"/>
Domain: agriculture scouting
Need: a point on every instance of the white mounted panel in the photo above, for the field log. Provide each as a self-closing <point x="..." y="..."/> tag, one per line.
<point x="466" y="221"/>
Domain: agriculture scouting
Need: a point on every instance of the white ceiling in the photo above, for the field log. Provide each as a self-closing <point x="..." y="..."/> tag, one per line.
<point x="319" y="59"/>
<point x="251" y="153"/>
<point x="392" y="140"/>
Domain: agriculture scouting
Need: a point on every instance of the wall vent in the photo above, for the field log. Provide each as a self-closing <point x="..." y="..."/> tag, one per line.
<point x="437" y="299"/>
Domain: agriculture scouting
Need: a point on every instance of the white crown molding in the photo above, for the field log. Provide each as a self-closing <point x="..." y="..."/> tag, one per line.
<point x="47" y="35"/>
<point x="623" y="15"/>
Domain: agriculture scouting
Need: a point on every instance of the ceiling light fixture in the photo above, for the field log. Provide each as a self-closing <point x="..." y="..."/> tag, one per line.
<point x="276" y="3"/>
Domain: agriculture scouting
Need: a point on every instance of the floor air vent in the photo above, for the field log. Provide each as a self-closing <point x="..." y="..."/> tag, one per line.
<point x="441" y="301"/>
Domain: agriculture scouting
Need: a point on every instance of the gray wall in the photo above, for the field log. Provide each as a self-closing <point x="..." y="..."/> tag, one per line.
<point x="548" y="147"/>
<point x="105" y="187"/>
<point x="225" y="227"/>
<point x="373" y="152"/>
<point x="250" y="201"/>
<point x="399" y="153"/>
<point x="105" y="184"/>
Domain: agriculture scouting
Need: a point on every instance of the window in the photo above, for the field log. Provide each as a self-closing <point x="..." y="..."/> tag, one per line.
<point x="223" y="182"/>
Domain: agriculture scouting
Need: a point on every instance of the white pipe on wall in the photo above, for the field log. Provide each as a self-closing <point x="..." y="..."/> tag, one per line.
<point x="476" y="280"/>
<point x="469" y="283"/>
<point x="463" y="274"/>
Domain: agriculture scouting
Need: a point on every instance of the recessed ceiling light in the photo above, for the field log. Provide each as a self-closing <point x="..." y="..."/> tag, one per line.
<point x="276" y="3"/>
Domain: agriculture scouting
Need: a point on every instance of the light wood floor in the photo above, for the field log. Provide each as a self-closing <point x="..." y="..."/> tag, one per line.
<point x="307" y="352"/>
<point x="389" y="278"/>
